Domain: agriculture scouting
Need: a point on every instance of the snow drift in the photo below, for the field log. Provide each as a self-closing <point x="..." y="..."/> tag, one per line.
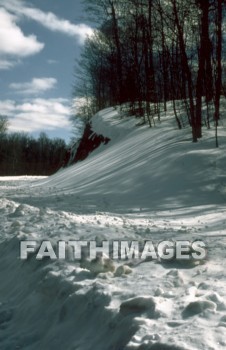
<point x="144" y="184"/>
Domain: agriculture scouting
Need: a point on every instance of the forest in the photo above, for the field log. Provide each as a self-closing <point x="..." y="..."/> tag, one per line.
<point x="22" y="154"/>
<point x="143" y="53"/>
<point x="147" y="52"/>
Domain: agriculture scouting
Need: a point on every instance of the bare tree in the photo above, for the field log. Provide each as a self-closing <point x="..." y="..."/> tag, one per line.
<point x="204" y="64"/>
<point x="148" y="52"/>
<point x="218" y="65"/>
<point x="4" y="123"/>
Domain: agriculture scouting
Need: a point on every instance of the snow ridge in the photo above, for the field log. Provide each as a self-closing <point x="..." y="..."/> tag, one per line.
<point x="143" y="185"/>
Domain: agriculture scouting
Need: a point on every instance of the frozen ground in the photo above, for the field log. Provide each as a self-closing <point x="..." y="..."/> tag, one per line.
<point x="145" y="184"/>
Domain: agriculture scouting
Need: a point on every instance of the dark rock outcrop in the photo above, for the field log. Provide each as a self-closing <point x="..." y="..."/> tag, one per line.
<point x="89" y="142"/>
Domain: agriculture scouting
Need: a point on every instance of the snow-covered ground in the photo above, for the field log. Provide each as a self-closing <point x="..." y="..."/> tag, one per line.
<point x="144" y="185"/>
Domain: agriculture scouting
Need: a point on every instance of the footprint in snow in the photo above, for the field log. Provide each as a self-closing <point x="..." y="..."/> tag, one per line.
<point x="139" y="305"/>
<point x="197" y="307"/>
<point x="5" y="317"/>
<point x="20" y="211"/>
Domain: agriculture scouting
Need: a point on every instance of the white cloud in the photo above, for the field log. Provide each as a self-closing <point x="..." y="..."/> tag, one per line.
<point x="13" y="42"/>
<point x="7" y="107"/>
<point x="37" y="114"/>
<point x="6" y="64"/>
<point x="56" y="24"/>
<point x="48" y="19"/>
<point x="35" y="86"/>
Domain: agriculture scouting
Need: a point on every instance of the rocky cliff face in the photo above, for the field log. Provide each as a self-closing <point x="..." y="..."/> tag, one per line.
<point x="89" y="142"/>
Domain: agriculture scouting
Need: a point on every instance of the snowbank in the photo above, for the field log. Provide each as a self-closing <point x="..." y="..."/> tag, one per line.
<point x="143" y="185"/>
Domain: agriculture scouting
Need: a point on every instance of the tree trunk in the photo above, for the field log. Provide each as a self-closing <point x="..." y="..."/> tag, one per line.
<point x="204" y="69"/>
<point x="218" y="61"/>
<point x="219" y="67"/>
<point x="118" y="49"/>
<point x="187" y="70"/>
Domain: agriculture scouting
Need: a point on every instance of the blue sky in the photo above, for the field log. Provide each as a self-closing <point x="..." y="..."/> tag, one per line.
<point x="39" y="42"/>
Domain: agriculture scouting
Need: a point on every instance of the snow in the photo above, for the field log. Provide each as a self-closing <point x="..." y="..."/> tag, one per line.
<point x="145" y="184"/>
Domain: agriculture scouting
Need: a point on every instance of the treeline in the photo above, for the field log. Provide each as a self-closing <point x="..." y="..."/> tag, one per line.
<point x="147" y="52"/>
<point x="21" y="154"/>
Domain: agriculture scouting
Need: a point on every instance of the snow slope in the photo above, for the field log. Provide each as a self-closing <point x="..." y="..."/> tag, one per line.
<point x="145" y="184"/>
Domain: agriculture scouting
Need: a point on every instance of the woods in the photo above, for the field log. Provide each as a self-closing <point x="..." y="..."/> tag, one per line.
<point x="147" y="52"/>
<point x="21" y="154"/>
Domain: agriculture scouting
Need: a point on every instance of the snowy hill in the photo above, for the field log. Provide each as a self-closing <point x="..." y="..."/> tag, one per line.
<point x="143" y="185"/>
<point x="152" y="169"/>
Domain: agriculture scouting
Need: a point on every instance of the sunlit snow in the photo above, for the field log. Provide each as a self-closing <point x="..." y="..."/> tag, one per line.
<point x="145" y="183"/>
